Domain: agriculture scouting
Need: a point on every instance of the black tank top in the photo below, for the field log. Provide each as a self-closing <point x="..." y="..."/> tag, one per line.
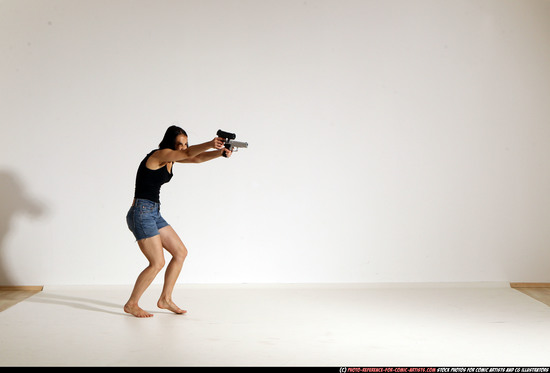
<point x="148" y="182"/>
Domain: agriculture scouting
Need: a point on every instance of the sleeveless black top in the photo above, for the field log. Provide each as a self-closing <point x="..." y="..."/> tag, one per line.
<point x="148" y="182"/>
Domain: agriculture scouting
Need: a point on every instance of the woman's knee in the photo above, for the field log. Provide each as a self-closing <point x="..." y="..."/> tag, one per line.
<point x="157" y="264"/>
<point x="180" y="254"/>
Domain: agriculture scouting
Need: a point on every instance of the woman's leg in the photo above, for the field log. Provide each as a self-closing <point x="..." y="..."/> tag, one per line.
<point x="173" y="244"/>
<point x="152" y="249"/>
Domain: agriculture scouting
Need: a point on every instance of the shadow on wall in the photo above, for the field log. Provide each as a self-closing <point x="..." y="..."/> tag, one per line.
<point x="13" y="201"/>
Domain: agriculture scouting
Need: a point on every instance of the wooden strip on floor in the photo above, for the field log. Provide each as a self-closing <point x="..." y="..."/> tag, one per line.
<point x="24" y="288"/>
<point x="529" y="285"/>
<point x="540" y="294"/>
<point x="11" y="295"/>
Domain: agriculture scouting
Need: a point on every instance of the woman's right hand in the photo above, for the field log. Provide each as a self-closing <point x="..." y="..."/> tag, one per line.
<point x="218" y="143"/>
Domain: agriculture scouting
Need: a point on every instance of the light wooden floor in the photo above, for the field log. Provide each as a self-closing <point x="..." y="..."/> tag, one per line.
<point x="10" y="296"/>
<point x="281" y="325"/>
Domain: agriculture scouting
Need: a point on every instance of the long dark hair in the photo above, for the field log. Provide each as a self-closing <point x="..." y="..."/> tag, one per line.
<point x="169" y="140"/>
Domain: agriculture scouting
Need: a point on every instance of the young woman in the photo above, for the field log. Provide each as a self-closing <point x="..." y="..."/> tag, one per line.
<point x="152" y="232"/>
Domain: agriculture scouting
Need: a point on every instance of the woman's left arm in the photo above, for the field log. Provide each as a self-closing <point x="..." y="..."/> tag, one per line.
<point x="206" y="156"/>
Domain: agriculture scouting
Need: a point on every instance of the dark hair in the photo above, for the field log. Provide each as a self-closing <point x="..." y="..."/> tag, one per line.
<point x="169" y="140"/>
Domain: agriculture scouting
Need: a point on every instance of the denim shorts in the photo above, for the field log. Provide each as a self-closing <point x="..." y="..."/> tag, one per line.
<point x="144" y="219"/>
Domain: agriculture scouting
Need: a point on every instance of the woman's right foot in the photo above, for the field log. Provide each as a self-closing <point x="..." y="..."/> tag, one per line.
<point x="135" y="310"/>
<point x="171" y="306"/>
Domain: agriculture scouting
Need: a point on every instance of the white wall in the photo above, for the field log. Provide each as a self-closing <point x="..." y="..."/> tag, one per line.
<point x="390" y="141"/>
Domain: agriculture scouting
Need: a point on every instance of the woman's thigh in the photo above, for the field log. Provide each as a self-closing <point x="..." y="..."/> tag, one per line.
<point x="152" y="249"/>
<point x="172" y="242"/>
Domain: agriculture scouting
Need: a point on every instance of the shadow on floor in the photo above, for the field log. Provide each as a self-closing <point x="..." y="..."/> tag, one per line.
<point x="79" y="303"/>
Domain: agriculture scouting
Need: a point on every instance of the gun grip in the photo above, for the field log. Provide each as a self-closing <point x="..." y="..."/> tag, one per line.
<point x="228" y="147"/>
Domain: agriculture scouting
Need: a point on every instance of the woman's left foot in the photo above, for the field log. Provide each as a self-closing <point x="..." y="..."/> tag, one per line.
<point x="169" y="305"/>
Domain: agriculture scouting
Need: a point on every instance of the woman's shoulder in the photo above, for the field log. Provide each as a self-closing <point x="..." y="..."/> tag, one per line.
<point x="155" y="159"/>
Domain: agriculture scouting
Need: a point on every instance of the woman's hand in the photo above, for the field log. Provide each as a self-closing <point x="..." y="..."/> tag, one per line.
<point x="227" y="152"/>
<point x="218" y="143"/>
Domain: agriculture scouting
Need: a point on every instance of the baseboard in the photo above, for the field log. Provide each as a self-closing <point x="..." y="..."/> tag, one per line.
<point x="21" y="288"/>
<point x="530" y="284"/>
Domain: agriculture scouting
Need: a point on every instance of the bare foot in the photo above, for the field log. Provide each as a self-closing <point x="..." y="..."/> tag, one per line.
<point x="136" y="310"/>
<point x="169" y="305"/>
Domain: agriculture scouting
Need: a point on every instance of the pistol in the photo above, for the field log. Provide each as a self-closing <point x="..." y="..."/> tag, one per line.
<point x="230" y="143"/>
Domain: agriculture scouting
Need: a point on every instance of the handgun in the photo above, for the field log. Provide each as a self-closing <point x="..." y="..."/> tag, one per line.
<point x="230" y="143"/>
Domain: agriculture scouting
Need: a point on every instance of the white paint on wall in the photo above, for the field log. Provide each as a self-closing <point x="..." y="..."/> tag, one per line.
<point x="390" y="141"/>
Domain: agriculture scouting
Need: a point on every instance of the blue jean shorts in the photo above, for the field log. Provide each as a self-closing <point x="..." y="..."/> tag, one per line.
<point x="144" y="219"/>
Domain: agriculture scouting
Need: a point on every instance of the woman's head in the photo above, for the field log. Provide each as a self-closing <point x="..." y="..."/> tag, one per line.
<point x="174" y="138"/>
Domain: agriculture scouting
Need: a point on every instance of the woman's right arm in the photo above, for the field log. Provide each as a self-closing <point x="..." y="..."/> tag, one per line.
<point x="169" y="155"/>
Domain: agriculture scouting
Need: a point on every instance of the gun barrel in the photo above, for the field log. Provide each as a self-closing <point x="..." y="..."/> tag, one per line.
<point x="238" y="144"/>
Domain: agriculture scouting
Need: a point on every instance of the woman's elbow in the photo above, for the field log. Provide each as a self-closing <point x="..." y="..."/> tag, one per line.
<point x="184" y="155"/>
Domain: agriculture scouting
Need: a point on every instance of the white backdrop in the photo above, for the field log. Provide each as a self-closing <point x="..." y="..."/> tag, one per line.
<point x="390" y="140"/>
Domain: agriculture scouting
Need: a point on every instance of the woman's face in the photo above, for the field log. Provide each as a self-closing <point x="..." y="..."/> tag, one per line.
<point x="181" y="142"/>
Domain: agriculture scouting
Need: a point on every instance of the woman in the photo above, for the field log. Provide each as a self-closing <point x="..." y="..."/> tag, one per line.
<point x="152" y="232"/>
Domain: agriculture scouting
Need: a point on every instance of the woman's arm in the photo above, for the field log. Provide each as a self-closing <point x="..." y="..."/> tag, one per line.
<point x="164" y="156"/>
<point x="206" y="156"/>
